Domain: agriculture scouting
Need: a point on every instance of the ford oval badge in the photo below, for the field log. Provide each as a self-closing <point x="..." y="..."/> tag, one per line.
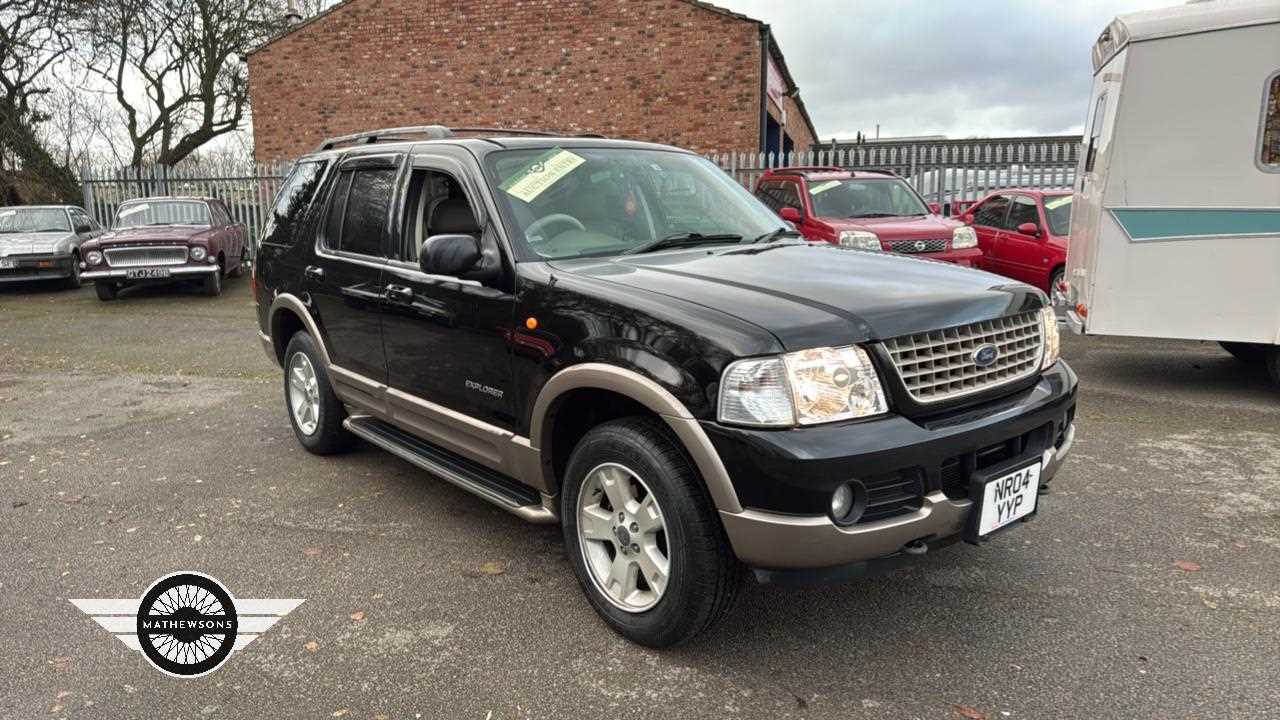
<point x="986" y="355"/>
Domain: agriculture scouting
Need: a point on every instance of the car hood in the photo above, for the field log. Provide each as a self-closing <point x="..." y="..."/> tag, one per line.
<point x="29" y="243"/>
<point x="152" y="234"/>
<point x="816" y="294"/>
<point x="899" y="228"/>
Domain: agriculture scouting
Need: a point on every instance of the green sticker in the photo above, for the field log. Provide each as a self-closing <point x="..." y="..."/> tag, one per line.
<point x="541" y="174"/>
<point x="823" y="187"/>
<point x="1057" y="202"/>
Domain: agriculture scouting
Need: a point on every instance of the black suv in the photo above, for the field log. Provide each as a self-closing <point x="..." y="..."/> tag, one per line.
<point x="618" y="337"/>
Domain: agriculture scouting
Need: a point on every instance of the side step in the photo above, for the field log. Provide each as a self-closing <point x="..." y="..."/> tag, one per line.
<point x="516" y="498"/>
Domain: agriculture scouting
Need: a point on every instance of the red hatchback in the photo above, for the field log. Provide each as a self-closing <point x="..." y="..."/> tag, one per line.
<point x="1023" y="234"/>
<point x="866" y="209"/>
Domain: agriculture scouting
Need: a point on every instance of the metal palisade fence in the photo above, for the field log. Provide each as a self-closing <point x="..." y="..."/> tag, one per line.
<point x="952" y="174"/>
<point x="248" y="189"/>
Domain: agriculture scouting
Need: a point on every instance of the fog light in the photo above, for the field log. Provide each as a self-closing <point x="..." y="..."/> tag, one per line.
<point x="848" y="502"/>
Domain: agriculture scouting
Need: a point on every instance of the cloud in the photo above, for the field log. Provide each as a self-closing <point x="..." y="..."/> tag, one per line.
<point x="924" y="67"/>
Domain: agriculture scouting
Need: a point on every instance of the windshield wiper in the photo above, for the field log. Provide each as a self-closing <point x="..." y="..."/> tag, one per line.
<point x="775" y="234"/>
<point x="874" y="215"/>
<point x="682" y="240"/>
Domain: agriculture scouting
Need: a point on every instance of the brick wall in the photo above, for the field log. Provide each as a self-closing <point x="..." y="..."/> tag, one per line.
<point x="659" y="70"/>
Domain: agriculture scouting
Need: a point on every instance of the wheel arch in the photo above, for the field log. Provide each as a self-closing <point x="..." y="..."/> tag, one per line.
<point x="644" y="393"/>
<point x="287" y="315"/>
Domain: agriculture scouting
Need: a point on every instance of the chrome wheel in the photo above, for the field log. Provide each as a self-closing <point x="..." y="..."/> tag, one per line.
<point x="623" y="537"/>
<point x="304" y="394"/>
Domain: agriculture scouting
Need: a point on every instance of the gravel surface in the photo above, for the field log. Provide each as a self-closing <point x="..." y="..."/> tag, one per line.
<point x="148" y="435"/>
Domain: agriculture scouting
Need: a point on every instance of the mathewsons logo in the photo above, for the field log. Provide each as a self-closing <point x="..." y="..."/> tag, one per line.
<point x="186" y="624"/>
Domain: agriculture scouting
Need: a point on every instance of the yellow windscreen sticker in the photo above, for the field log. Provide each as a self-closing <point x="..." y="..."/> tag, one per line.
<point x="1057" y="202"/>
<point x="823" y="187"/>
<point x="542" y="173"/>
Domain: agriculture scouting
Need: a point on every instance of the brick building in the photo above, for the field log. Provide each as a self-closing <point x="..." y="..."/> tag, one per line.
<point x="674" y="71"/>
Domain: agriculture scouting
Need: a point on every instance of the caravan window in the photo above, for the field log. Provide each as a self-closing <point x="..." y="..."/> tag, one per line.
<point x="1269" y="134"/>
<point x="1095" y="132"/>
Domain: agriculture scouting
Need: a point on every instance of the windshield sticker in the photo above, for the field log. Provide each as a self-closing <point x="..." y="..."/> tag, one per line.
<point x="133" y="210"/>
<point x="823" y="187"/>
<point x="542" y="173"/>
<point x="1056" y="203"/>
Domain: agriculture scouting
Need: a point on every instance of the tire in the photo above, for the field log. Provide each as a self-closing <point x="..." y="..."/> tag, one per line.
<point x="1273" y="364"/>
<point x="212" y="284"/>
<point x="325" y="435"/>
<point x="72" y="282"/>
<point x="1055" y="295"/>
<point x="106" y="291"/>
<point x="239" y="271"/>
<point x="702" y="572"/>
<point x="1247" y="353"/>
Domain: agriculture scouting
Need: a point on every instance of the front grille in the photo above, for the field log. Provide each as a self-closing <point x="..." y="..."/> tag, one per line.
<point x="939" y="365"/>
<point x="146" y="256"/>
<point x="918" y="246"/>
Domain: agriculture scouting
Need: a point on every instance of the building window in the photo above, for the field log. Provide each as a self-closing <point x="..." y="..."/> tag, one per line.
<point x="1269" y="133"/>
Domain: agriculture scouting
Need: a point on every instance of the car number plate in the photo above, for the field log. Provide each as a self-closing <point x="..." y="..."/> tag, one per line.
<point x="1007" y="498"/>
<point x="8" y="263"/>
<point x="146" y="273"/>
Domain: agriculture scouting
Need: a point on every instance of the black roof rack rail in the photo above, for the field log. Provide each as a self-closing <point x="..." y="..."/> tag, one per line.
<point x="882" y="171"/>
<point x="433" y="132"/>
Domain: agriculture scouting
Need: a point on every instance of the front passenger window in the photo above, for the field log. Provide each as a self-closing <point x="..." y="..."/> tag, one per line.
<point x="992" y="212"/>
<point x="367" y="206"/>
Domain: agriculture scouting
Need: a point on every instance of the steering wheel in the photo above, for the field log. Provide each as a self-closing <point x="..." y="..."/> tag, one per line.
<point x="536" y="226"/>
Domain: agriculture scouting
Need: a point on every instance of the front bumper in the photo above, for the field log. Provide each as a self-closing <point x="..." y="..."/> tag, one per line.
<point x="37" y="267"/>
<point x="175" y="271"/>
<point x="969" y="257"/>
<point x="785" y="478"/>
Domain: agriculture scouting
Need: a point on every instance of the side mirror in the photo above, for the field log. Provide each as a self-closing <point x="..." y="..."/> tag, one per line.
<point x="82" y="229"/>
<point x="790" y="214"/>
<point x="935" y="208"/>
<point x="967" y="219"/>
<point x="1029" y="229"/>
<point x="450" y="255"/>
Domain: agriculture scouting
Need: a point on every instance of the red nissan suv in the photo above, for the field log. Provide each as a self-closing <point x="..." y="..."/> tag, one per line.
<point x="866" y="209"/>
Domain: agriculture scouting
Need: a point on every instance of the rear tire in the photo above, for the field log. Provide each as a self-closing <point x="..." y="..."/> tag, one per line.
<point x="696" y="585"/>
<point x="1248" y="353"/>
<point x="212" y="284"/>
<point x="305" y="378"/>
<point x="106" y="291"/>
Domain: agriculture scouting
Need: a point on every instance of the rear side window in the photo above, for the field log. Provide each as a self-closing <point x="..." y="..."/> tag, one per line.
<point x="1023" y="210"/>
<point x="368" y="205"/>
<point x="1095" y="133"/>
<point x="1269" y="134"/>
<point x="993" y="212"/>
<point x="291" y="203"/>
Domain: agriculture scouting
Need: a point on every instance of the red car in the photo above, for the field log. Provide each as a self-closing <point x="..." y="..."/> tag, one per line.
<point x="866" y="209"/>
<point x="166" y="239"/>
<point x="1023" y="234"/>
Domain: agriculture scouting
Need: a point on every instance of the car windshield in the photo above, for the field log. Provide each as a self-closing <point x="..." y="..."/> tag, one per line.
<point x="577" y="202"/>
<point x="1057" y="210"/>
<point x="860" y="198"/>
<point x="27" y="220"/>
<point x="163" y="212"/>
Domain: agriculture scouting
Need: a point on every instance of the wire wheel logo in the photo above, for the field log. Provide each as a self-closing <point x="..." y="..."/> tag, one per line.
<point x="187" y="624"/>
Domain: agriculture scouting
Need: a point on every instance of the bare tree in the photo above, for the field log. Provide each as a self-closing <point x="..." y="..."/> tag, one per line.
<point x="186" y="56"/>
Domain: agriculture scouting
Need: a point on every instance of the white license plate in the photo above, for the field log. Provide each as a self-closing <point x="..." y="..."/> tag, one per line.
<point x="146" y="273"/>
<point x="8" y="263"/>
<point x="1008" y="498"/>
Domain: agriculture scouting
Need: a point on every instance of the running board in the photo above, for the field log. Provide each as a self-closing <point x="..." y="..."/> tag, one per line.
<point x="514" y="497"/>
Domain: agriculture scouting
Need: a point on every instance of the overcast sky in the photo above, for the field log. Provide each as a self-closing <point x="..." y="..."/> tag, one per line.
<point x="941" y="67"/>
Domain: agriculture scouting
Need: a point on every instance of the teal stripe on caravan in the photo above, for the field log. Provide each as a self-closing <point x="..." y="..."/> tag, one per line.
<point x="1147" y="224"/>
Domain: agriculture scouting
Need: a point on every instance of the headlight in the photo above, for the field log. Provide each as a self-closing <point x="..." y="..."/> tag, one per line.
<point x="963" y="237"/>
<point x="805" y="388"/>
<point x="1052" y="343"/>
<point x="93" y="257"/>
<point x="198" y="253"/>
<point x="860" y="239"/>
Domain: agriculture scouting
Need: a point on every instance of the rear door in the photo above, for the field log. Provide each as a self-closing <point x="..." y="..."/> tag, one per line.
<point x="344" y="279"/>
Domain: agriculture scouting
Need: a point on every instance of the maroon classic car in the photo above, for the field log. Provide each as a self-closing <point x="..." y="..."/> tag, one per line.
<point x="166" y="239"/>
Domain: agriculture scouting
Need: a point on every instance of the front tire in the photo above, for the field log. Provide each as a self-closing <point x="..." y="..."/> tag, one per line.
<point x="106" y="291"/>
<point x="642" y="535"/>
<point x="1247" y="353"/>
<point x="213" y="283"/>
<point x="1056" y="298"/>
<point x="314" y="410"/>
<point x="72" y="281"/>
<point x="1273" y="364"/>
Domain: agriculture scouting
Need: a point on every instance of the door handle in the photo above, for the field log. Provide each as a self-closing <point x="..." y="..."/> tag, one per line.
<point x="314" y="273"/>
<point x="400" y="294"/>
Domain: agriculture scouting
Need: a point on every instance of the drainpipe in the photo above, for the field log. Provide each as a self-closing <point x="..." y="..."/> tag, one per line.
<point x="292" y="14"/>
<point x="765" y="41"/>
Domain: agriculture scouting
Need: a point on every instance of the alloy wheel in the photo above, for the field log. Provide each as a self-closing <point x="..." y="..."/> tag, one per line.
<point x="623" y="537"/>
<point x="304" y="394"/>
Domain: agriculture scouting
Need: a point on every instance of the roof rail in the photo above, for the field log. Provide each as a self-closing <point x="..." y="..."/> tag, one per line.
<point x="881" y="171"/>
<point x="434" y="132"/>
<point x="807" y="168"/>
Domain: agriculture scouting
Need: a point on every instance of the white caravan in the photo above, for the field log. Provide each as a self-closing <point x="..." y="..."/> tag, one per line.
<point x="1175" y="231"/>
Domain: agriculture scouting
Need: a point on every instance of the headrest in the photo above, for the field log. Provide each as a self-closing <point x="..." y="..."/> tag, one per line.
<point x="453" y="216"/>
